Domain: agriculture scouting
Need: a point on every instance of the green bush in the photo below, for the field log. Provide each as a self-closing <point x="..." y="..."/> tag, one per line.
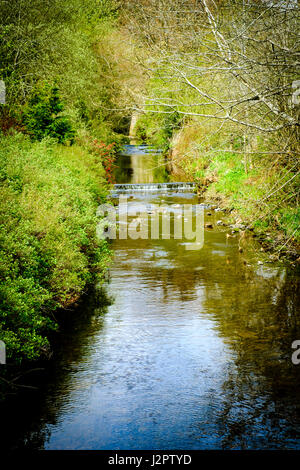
<point x="48" y="246"/>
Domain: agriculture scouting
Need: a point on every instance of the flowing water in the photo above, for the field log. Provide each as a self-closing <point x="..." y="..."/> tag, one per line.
<point x="193" y="353"/>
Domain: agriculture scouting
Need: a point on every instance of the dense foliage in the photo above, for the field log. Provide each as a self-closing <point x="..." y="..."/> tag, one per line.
<point x="54" y="57"/>
<point x="42" y="116"/>
<point x="49" y="251"/>
<point x="67" y="46"/>
<point x="214" y="82"/>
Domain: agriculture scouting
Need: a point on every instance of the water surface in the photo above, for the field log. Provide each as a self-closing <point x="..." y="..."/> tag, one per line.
<point x="193" y="353"/>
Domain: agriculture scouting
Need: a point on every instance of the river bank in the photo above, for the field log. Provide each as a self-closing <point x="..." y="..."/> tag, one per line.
<point x="270" y="240"/>
<point x="49" y="250"/>
<point x="58" y="135"/>
<point x="257" y="195"/>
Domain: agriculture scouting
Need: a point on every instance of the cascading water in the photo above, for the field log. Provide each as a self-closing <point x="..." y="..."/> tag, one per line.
<point x="153" y="187"/>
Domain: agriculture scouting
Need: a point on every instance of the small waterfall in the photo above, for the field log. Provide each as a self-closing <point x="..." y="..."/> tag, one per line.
<point x="153" y="187"/>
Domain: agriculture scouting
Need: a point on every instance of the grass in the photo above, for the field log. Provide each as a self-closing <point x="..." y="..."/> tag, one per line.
<point x="260" y="186"/>
<point x="262" y="191"/>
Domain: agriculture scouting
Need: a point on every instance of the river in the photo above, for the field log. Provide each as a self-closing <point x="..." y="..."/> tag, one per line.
<point x="193" y="352"/>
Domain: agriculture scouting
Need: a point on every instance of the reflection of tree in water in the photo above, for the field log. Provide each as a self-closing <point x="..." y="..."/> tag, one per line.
<point x="141" y="168"/>
<point x="174" y="277"/>
<point x="257" y="316"/>
<point x="255" y="310"/>
<point x="26" y="418"/>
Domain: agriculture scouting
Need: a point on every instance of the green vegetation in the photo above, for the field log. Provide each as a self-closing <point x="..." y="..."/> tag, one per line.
<point x="43" y="117"/>
<point x="63" y="86"/>
<point x="221" y="101"/>
<point x="49" y="251"/>
<point x="247" y="175"/>
<point x="158" y="129"/>
<point x="72" y="72"/>
<point x="244" y="172"/>
<point x="64" y="65"/>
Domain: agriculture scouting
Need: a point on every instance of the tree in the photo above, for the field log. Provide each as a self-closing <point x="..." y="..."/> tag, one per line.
<point x="43" y="116"/>
<point x="233" y="61"/>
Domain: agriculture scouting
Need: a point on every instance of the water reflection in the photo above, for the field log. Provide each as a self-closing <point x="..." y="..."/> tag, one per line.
<point x="137" y="166"/>
<point x="194" y="352"/>
<point x="26" y="419"/>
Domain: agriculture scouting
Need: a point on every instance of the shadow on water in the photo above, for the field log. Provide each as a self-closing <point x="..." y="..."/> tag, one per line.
<point x="194" y="352"/>
<point x="25" y="417"/>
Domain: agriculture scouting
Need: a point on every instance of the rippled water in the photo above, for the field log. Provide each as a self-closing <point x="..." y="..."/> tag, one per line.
<point x="193" y="353"/>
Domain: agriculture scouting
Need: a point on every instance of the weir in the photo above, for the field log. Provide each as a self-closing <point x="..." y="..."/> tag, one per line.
<point x="153" y="187"/>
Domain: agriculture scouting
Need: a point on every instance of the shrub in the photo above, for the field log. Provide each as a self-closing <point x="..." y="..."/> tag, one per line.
<point x="48" y="246"/>
<point x="42" y="116"/>
<point x="107" y="156"/>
